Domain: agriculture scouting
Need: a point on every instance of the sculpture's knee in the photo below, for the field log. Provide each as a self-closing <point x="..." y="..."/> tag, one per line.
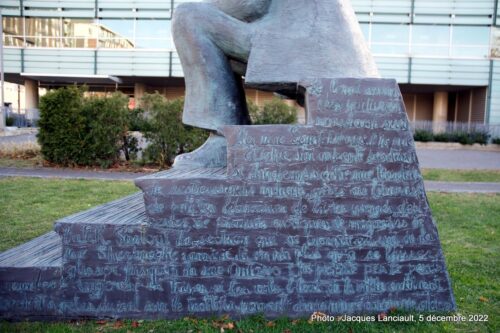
<point x="188" y="17"/>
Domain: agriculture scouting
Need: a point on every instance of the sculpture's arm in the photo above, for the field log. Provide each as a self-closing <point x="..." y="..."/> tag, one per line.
<point x="244" y="10"/>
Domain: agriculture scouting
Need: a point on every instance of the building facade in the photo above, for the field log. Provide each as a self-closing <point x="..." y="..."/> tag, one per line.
<point x="445" y="54"/>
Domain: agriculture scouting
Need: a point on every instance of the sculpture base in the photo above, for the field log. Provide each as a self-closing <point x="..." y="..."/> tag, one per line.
<point x="328" y="217"/>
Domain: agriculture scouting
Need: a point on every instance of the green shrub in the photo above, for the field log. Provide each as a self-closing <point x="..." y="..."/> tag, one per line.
<point x="423" y="136"/>
<point x="496" y="141"/>
<point x="166" y="133"/>
<point x="479" y="137"/>
<point x="61" y="125"/>
<point x="442" y="137"/>
<point x="253" y="110"/>
<point x="130" y="147"/>
<point x="9" y="121"/>
<point x="273" y="112"/>
<point x="137" y="120"/>
<point x="467" y="138"/>
<point x="75" y="130"/>
<point x="463" y="137"/>
<point x="107" y="125"/>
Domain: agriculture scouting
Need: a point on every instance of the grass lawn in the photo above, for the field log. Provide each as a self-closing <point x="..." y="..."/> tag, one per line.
<point x="481" y="176"/>
<point x="30" y="206"/>
<point x="468" y="226"/>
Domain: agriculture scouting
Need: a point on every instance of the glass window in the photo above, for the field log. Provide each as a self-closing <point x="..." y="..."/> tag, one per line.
<point x="470" y="41"/>
<point x="116" y="34"/>
<point x="115" y="43"/>
<point x="365" y="28"/>
<point x="154" y="43"/>
<point x="152" y="28"/>
<point x="431" y="34"/>
<point x="47" y="27"/>
<point x="80" y="33"/>
<point x="43" y="32"/>
<point x="122" y="28"/>
<point x="80" y="28"/>
<point x="463" y="35"/>
<point x="431" y="40"/>
<point x="153" y="34"/>
<point x="390" y="39"/>
<point x="13" y="31"/>
<point x="495" y="42"/>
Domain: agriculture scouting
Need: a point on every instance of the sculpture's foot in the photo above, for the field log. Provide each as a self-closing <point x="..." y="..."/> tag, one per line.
<point x="212" y="154"/>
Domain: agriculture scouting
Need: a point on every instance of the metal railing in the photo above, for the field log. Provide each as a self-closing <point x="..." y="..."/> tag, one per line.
<point x="22" y="117"/>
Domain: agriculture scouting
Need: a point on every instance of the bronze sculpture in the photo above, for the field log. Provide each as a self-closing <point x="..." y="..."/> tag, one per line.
<point x="267" y="42"/>
<point x="329" y="217"/>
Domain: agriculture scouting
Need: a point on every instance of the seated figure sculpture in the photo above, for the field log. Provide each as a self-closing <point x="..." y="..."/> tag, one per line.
<point x="274" y="44"/>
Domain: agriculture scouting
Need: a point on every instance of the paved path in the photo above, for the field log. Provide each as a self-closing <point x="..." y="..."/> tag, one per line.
<point x="458" y="159"/>
<point x="18" y="139"/>
<point x="68" y="173"/>
<point x="453" y="187"/>
<point x="106" y="175"/>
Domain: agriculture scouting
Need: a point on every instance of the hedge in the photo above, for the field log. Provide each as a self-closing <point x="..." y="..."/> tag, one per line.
<point x="78" y="130"/>
<point x="272" y="112"/>
<point x="88" y="131"/>
<point x="465" y="138"/>
<point x="161" y="122"/>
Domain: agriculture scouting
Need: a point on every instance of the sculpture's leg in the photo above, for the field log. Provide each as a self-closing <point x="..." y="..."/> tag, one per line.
<point x="205" y="39"/>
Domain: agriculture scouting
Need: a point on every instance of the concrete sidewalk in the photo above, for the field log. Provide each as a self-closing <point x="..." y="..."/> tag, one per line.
<point x="68" y="173"/>
<point x="432" y="186"/>
<point x="28" y="138"/>
<point x="463" y="159"/>
<point x="455" y="187"/>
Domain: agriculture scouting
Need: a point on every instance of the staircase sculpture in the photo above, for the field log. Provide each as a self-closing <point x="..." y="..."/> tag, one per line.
<point x="330" y="216"/>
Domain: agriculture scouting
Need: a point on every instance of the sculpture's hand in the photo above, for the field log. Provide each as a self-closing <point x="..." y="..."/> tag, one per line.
<point x="245" y="10"/>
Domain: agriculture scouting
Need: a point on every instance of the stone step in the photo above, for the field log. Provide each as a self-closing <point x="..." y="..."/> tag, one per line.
<point x="328" y="217"/>
<point x="46" y="250"/>
<point x="34" y="275"/>
<point x="43" y="251"/>
<point x="124" y="211"/>
<point x="184" y="173"/>
<point x="181" y="174"/>
<point x="91" y="226"/>
<point x="30" y="278"/>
